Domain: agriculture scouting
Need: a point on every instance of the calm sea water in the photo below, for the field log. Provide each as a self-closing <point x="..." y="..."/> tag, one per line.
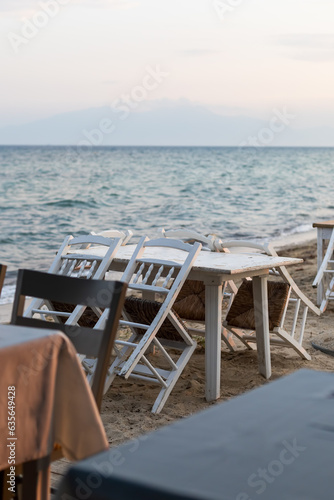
<point x="49" y="192"/>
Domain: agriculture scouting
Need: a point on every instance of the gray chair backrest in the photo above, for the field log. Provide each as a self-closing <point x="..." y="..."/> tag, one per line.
<point x="68" y="290"/>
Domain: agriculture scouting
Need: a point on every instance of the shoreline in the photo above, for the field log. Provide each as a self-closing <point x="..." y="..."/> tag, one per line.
<point x="295" y="240"/>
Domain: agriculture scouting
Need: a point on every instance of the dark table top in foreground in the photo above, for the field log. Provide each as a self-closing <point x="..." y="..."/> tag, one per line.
<point x="273" y="443"/>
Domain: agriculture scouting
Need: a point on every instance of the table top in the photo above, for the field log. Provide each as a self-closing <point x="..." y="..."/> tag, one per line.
<point x="276" y="441"/>
<point x="324" y="224"/>
<point x="209" y="262"/>
<point x="48" y="397"/>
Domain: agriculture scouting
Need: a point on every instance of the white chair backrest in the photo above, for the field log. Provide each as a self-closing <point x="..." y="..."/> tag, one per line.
<point x="125" y="235"/>
<point x="243" y="245"/>
<point x="80" y="257"/>
<point x="153" y="272"/>
<point x="190" y="236"/>
<point x="77" y="257"/>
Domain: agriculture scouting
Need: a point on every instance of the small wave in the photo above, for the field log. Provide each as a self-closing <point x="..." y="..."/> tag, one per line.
<point x="301" y="234"/>
<point x="72" y="203"/>
<point x="303" y="228"/>
<point x="7" y="208"/>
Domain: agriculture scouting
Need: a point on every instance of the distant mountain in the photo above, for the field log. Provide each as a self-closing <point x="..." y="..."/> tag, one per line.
<point x="178" y="123"/>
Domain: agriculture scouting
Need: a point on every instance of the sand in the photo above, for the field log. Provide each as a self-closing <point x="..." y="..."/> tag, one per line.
<point x="126" y="409"/>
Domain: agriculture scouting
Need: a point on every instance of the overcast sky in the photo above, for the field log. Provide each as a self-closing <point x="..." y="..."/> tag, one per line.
<point x="234" y="57"/>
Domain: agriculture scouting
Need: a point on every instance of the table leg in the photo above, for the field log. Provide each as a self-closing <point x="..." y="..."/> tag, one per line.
<point x="213" y="326"/>
<point x="320" y="256"/>
<point x="260" y="293"/>
<point x="36" y="480"/>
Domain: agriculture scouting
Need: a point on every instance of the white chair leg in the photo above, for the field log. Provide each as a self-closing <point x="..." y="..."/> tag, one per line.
<point x="172" y="379"/>
<point x="291" y="342"/>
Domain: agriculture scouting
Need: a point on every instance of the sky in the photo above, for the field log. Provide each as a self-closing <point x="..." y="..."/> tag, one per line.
<point x="235" y="57"/>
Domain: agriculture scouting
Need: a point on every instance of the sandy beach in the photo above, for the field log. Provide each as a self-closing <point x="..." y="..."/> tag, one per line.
<point x="126" y="409"/>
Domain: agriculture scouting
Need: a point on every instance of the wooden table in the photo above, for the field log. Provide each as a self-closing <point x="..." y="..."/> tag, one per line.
<point x="214" y="269"/>
<point x="273" y="443"/>
<point x="324" y="233"/>
<point x="44" y="400"/>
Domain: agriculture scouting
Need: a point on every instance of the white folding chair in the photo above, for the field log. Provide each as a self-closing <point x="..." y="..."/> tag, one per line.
<point x="77" y="257"/>
<point x="157" y="267"/>
<point x="325" y="275"/>
<point x="291" y="295"/>
<point x="190" y="303"/>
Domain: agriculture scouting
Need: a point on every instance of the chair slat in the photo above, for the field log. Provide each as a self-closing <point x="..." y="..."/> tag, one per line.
<point x="148" y="288"/>
<point x="51" y="313"/>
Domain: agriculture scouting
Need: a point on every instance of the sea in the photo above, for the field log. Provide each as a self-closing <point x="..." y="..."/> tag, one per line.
<point x="253" y="193"/>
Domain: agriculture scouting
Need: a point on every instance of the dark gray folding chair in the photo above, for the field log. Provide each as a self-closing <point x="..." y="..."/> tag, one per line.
<point x="93" y="342"/>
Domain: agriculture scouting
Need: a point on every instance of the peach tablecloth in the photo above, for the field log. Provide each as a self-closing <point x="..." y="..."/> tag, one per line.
<point x="53" y="401"/>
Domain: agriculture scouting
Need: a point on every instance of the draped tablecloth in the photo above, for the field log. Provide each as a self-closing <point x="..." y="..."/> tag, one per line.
<point x="45" y="398"/>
